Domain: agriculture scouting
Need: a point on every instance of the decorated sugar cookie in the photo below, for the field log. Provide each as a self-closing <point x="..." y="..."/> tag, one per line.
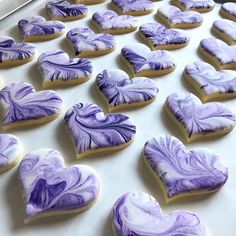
<point x="228" y="10"/>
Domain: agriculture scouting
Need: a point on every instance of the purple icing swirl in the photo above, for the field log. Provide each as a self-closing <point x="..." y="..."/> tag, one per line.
<point x="197" y="4"/>
<point x="183" y="171"/>
<point x="139" y="214"/>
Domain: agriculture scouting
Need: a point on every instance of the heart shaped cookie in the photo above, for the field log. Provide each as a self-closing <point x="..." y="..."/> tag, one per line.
<point x="139" y="214"/>
<point x="198" y="120"/>
<point x="209" y="83"/>
<point x="228" y="10"/>
<point x="173" y="17"/>
<point x="181" y="172"/>
<point x="59" y="70"/>
<point x="143" y="62"/>
<point x="133" y="7"/>
<point x="88" y="44"/>
<point x="160" y="37"/>
<point x="220" y="54"/>
<point x="36" y="28"/>
<point x="195" y="5"/>
<point x="225" y="29"/>
<point x="121" y="92"/>
<point x="64" y="11"/>
<point x="109" y="22"/>
<point x="93" y="132"/>
<point x="10" y="151"/>
<point x="22" y="106"/>
<point x="51" y="189"/>
<point x="12" y="53"/>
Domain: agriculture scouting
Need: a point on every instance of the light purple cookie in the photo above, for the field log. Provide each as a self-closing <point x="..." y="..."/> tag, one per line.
<point x="209" y="83"/>
<point x="109" y="22"/>
<point x="133" y="7"/>
<point x="36" y="28"/>
<point x="10" y="151"/>
<point x="122" y="92"/>
<point x="22" y="106"/>
<point x="51" y="189"/>
<point x="226" y="29"/>
<point x="228" y="10"/>
<point x="195" y="5"/>
<point x="160" y="37"/>
<point x="93" y="132"/>
<point x="64" y="11"/>
<point x="144" y="62"/>
<point x="220" y="54"/>
<point x="59" y="70"/>
<point x="198" y="120"/>
<point x="173" y="17"/>
<point x="139" y="214"/>
<point x="12" y="53"/>
<point x="87" y="44"/>
<point x="181" y="172"/>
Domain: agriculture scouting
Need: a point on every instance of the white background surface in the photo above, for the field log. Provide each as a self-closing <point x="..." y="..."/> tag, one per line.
<point x="122" y="171"/>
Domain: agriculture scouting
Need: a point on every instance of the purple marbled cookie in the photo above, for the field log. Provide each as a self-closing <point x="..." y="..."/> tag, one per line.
<point x="175" y="18"/>
<point x="219" y="53"/>
<point x="211" y="83"/>
<point x="12" y="53"/>
<point x="58" y="69"/>
<point x="228" y="10"/>
<point x="21" y="104"/>
<point x="86" y="43"/>
<point x="183" y="172"/>
<point x="36" y="28"/>
<point x="63" y="10"/>
<point x="145" y="62"/>
<point x="160" y="37"/>
<point x="133" y="7"/>
<point x="226" y="29"/>
<point x="139" y="214"/>
<point x="195" y="5"/>
<point x="94" y="132"/>
<point x="49" y="188"/>
<point x="109" y="22"/>
<point x="197" y="119"/>
<point x="121" y="91"/>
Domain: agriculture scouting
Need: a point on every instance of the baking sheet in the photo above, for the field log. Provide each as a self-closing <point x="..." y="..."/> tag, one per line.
<point x="122" y="171"/>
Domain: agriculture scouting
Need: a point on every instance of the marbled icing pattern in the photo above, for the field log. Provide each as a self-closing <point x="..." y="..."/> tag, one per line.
<point x="141" y="58"/>
<point x="139" y="214"/>
<point x="10" y="150"/>
<point x="11" y="51"/>
<point x="159" y="35"/>
<point x="229" y="8"/>
<point x="19" y="102"/>
<point x="50" y="188"/>
<point x="197" y="4"/>
<point x="212" y="81"/>
<point x="85" y="40"/>
<point x="183" y="171"/>
<point x="119" y="89"/>
<point x="38" y="26"/>
<point x="199" y="119"/>
<point x="62" y="9"/>
<point x="91" y="130"/>
<point x="109" y="20"/>
<point x="57" y="66"/>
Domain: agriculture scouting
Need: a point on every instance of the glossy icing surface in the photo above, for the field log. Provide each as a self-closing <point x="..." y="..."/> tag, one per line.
<point x="197" y="4"/>
<point x="139" y="214"/>
<point x="141" y="58"/>
<point x="110" y="20"/>
<point x="198" y="118"/>
<point x="119" y="89"/>
<point x="91" y="129"/>
<point x="49" y="187"/>
<point x="85" y="40"/>
<point x="158" y="34"/>
<point x="38" y="26"/>
<point x="20" y="102"/>
<point x="12" y="51"/>
<point x="183" y="171"/>
<point x="230" y="8"/>
<point x="227" y="27"/>
<point x="57" y="66"/>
